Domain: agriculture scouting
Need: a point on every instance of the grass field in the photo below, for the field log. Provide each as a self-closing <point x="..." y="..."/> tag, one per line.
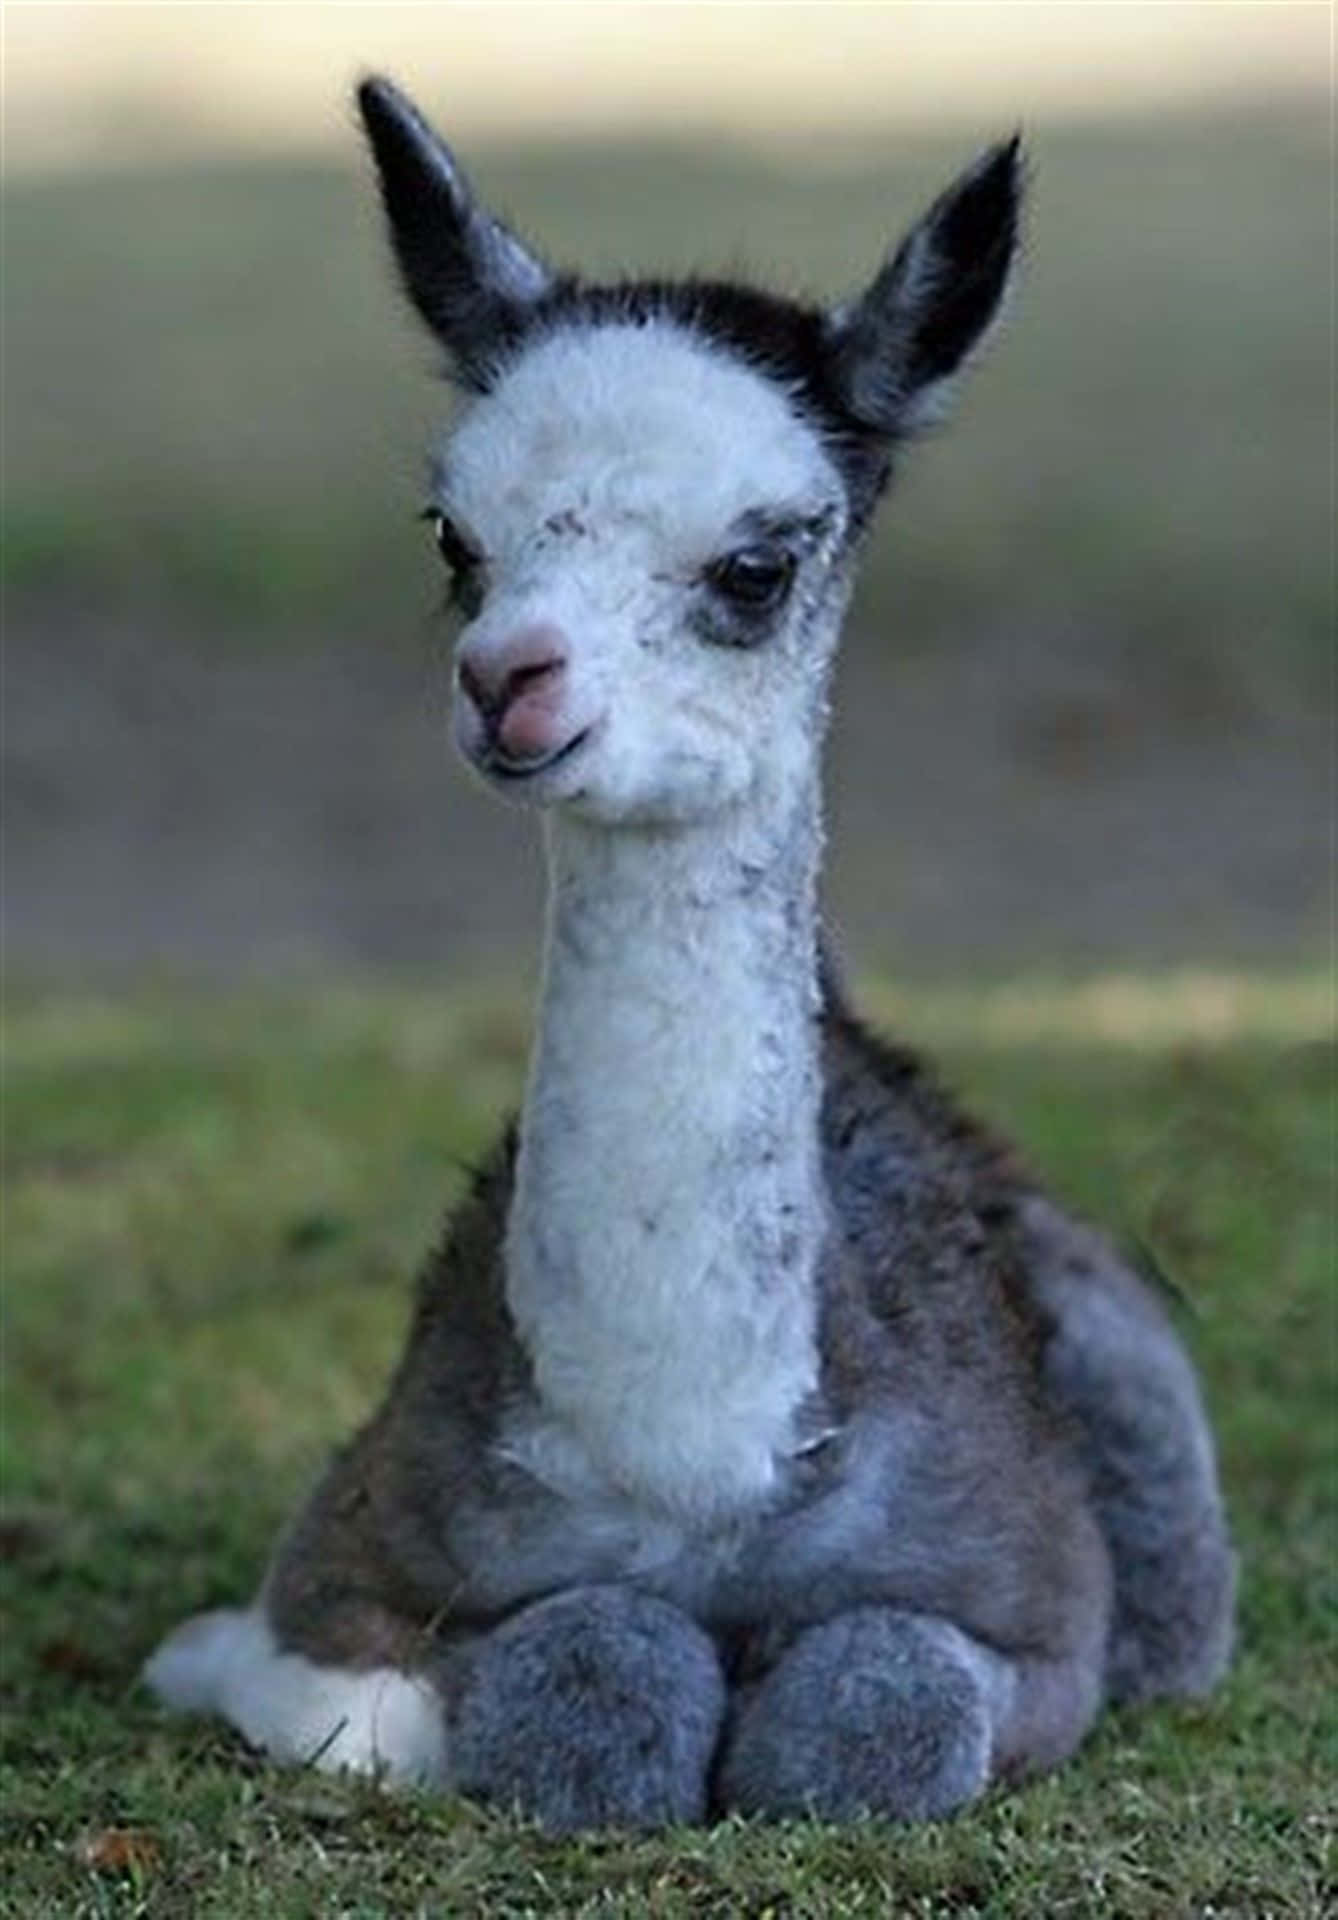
<point x="213" y="1210"/>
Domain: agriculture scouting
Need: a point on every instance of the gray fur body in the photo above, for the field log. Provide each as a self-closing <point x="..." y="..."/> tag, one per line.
<point x="765" y="1438"/>
<point x="1011" y="1502"/>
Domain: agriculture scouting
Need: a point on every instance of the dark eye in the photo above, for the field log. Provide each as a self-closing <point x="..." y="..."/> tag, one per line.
<point x="755" y="579"/>
<point x="463" y="560"/>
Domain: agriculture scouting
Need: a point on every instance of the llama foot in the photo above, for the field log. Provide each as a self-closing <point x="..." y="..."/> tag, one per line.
<point x="370" y="1720"/>
<point x="873" y="1711"/>
<point x="597" y="1707"/>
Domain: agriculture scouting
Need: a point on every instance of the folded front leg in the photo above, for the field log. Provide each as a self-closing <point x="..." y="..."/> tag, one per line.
<point x="596" y="1707"/>
<point x="894" y="1713"/>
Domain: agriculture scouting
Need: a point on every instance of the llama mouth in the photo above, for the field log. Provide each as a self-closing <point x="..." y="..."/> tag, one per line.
<point x="515" y="771"/>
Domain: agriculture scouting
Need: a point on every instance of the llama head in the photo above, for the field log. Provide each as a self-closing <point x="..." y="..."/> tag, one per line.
<point x="650" y="501"/>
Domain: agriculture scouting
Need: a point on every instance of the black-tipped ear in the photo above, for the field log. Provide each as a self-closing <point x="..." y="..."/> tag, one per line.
<point x="469" y="277"/>
<point x="898" y="346"/>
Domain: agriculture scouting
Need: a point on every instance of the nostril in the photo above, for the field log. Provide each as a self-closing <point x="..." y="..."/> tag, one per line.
<point x="529" y="678"/>
<point x="493" y="677"/>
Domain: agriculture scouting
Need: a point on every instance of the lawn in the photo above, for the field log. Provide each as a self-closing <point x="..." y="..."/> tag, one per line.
<point x="214" y="1209"/>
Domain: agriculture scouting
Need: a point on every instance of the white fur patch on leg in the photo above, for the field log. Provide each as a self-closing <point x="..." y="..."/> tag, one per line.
<point x="381" y="1721"/>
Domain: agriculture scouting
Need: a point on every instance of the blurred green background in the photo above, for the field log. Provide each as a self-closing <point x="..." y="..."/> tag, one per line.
<point x="1081" y="718"/>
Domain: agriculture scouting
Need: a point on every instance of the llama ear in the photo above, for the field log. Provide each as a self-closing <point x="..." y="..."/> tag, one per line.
<point x="898" y="345"/>
<point x="469" y="277"/>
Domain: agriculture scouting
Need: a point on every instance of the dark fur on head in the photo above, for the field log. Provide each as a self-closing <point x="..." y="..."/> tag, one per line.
<point x="868" y="374"/>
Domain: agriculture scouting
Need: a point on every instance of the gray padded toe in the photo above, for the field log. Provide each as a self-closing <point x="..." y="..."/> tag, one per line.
<point x="597" y="1707"/>
<point x="873" y="1711"/>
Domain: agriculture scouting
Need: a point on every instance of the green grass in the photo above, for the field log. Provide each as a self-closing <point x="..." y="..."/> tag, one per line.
<point x="213" y="1209"/>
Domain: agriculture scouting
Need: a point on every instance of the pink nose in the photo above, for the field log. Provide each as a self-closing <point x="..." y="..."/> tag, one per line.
<point x="517" y="685"/>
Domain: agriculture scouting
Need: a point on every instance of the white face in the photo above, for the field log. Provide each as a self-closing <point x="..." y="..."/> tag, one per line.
<point x="649" y="545"/>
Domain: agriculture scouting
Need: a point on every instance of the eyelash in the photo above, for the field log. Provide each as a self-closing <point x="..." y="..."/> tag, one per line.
<point x="463" y="561"/>
<point x="752" y="583"/>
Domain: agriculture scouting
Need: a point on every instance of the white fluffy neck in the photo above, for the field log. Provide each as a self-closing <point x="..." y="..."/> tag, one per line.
<point x="668" y="1216"/>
